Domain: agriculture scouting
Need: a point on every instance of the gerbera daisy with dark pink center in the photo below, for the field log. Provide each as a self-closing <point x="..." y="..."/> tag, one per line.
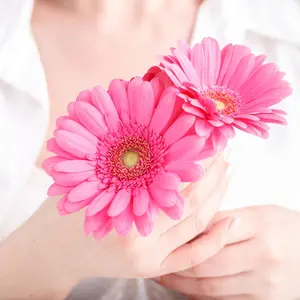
<point x="121" y="155"/>
<point x="224" y="88"/>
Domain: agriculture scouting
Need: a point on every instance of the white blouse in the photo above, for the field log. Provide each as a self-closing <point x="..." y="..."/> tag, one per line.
<point x="266" y="172"/>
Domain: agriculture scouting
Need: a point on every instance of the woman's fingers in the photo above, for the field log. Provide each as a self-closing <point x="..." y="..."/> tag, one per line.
<point x="196" y="223"/>
<point x="229" y="261"/>
<point x="202" y="248"/>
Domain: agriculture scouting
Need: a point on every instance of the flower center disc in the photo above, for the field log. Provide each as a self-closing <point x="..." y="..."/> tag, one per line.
<point x="220" y="105"/>
<point x="130" y="159"/>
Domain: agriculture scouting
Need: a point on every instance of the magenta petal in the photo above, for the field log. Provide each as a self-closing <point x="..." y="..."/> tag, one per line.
<point x="52" y="146"/>
<point x="74" y="144"/>
<point x="84" y="191"/>
<point x="100" y="202"/>
<point x="141" y="199"/>
<point x="158" y="88"/>
<point x="175" y="212"/>
<point x="118" y="93"/>
<point x="71" y="207"/>
<point x="60" y="206"/>
<point x="71" y="179"/>
<point x="119" y="203"/>
<point x="123" y="222"/>
<point x="164" y="198"/>
<point x="167" y="181"/>
<point x="93" y="223"/>
<point x="103" y="231"/>
<point x="193" y="110"/>
<point x="71" y="112"/>
<point x="179" y="129"/>
<point x="188" y="148"/>
<point x="163" y="112"/>
<point x="91" y="118"/>
<point x="144" y="223"/>
<point x="187" y="171"/>
<point x="56" y="189"/>
<point x="70" y="166"/>
<point x="203" y="128"/>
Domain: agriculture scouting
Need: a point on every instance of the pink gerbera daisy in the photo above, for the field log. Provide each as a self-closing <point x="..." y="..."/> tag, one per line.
<point x="122" y="154"/>
<point x="224" y="88"/>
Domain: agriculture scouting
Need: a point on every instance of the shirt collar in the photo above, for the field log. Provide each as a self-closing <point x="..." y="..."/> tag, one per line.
<point x="20" y="64"/>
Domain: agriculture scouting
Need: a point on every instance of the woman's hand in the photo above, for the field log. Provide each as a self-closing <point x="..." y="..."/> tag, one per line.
<point x="50" y="251"/>
<point x="261" y="262"/>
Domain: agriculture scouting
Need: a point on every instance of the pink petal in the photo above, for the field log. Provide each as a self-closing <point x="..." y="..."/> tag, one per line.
<point x="175" y="73"/>
<point x="93" y="223"/>
<point x="163" y="112"/>
<point x="141" y="199"/>
<point x="203" y="128"/>
<point x="74" y="144"/>
<point x="271" y="118"/>
<point x="193" y="110"/>
<point x="158" y="88"/>
<point x="164" y="198"/>
<point x="123" y="222"/>
<point x="71" y="207"/>
<point x="52" y="146"/>
<point x="208" y="151"/>
<point x="167" y="181"/>
<point x="73" y="166"/>
<point x="85" y="190"/>
<point x="71" y="179"/>
<point x="119" y="203"/>
<point x="56" y="189"/>
<point x="219" y="140"/>
<point x="102" y="101"/>
<point x="60" y="206"/>
<point x="100" y="202"/>
<point x="175" y="212"/>
<point x="91" y="118"/>
<point x="239" y="124"/>
<point x="188" y="148"/>
<point x="71" y="112"/>
<point x="144" y="223"/>
<point x="141" y="101"/>
<point x="179" y="129"/>
<point x="84" y="96"/>
<point x="118" y="94"/>
<point x="49" y="163"/>
<point x="216" y="123"/>
<point x="103" y="231"/>
<point x="74" y="127"/>
<point x="187" y="171"/>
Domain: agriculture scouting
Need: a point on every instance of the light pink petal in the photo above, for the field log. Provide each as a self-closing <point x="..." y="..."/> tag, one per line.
<point x="186" y="65"/>
<point x="187" y="171"/>
<point x="141" y="101"/>
<point x="118" y="94"/>
<point x="91" y="118"/>
<point x="56" y="189"/>
<point x="141" y="199"/>
<point x="93" y="223"/>
<point x="71" y="179"/>
<point x="119" y="203"/>
<point x="52" y="146"/>
<point x="144" y="223"/>
<point x="272" y="118"/>
<point x="71" y="207"/>
<point x="167" y="181"/>
<point x="103" y="231"/>
<point x="219" y="140"/>
<point x="49" y="163"/>
<point x="239" y="124"/>
<point x="203" y="128"/>
<point x="191" y="109"/>
<point x="71" y="112"/>
<point x="188" y="148"/>
<point x="208" y="151"/>
<point x="247" y="118"/>
<point x="216" y="123"/>
<point x="60" y="206"/>
<point x="175" y="73"/>
<point x="175" y="212"/>
<point x="100" y="202"/>
<point x="163" y="111"/>
<point x="73" y="166"/>
<point x="74" y="127"/>
<point x="124" y="221"/>
<point x="74" y="144"/>
<point x="198" y="61"/>
<point x="231" y="58"/>
<point x="227" y="131"/>
<point x="164" y="198"/>
<point x="179" y="129"/>
<point x="84" y="191"/>
<point x="84" y="96"/>
<point x="102" y="101"/>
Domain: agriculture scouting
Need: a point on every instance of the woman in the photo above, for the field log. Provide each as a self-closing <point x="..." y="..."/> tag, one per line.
<point x="79" y="45"/>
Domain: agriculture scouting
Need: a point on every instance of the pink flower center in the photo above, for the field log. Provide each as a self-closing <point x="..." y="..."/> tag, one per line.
<point x="130" y="157"/>
<point x="228" y="102"/>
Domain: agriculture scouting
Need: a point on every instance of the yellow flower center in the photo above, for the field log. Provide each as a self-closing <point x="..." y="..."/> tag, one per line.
<point x="130" y="159"/>
<point x="220" y="105"/>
